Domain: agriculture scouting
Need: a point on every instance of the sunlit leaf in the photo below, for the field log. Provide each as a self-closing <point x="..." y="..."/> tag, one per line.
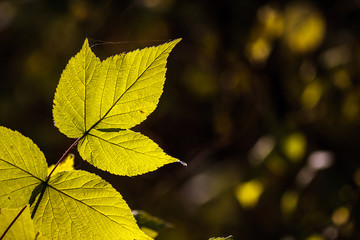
<point x="69" y="102"/>
<point x="70" y="205"/>
<point x="22" y="228"/>
<point x="123" y="153"/>
<point x="22" y="168"/>
<point x="127" y="89"/>
<point x="98" y="100"/>
<point x="80" y="205"/>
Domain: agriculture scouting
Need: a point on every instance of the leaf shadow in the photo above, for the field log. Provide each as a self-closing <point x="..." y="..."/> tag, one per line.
<point x="40" y="189"/>
<point x="111" y="129"/>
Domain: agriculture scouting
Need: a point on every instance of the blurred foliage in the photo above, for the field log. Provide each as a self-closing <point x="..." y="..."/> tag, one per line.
<point x="151" y="225"/>
<point x="262" y="100"/>
<point x="222" y="238"/>
<point x="66" y="165"/>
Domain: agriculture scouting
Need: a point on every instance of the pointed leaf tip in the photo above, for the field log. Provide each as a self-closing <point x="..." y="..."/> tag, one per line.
<point x="86" y="43"/>
<point x="125" y="153"/>
<point x="182" y="163"/>
<point x="96" y="97"/>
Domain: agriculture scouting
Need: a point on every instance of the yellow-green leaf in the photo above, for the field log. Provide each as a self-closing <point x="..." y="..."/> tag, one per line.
<point x="128" y="88"/>
<point x="70" y="205"/>
<point x="22" y="228"/>
<point x="80" y="205"/>
<point x="22" y="168"/>
<point x="124" y="153"/>
<point x="97" y="101"/>
<point x="66" y="165"/>
<point x="70" y="98"/>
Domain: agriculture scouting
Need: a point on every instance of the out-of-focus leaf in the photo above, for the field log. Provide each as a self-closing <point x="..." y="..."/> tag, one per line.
<point x="66" y="165"/>
<point x="223" y="238"/>
<point x="146" y="220"/>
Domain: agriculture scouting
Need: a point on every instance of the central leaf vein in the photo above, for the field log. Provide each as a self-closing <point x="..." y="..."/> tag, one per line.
<point x="128" y="87"/>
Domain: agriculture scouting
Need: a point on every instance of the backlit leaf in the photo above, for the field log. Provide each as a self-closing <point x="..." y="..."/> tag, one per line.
<point x="80" y="205"/>
<point x="128" y="88"/>
<point x="22" y="168"/>
<point x="70" y="205"/>
<point x="114" y="152"/>
<point x="72" y="92"/>
<point x="23" y="227"/>
<point x="98" y="100"/>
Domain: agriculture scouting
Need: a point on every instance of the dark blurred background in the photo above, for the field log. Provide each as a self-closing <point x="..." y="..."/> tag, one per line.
<point x="262" y="100"/>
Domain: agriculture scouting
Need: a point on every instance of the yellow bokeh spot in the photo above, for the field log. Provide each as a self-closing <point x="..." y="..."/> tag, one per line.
<point x="340" y="216"/>
<point x="272" y="20"/>
<point x="289" y="202"/>
<point x="305" y="28"/>
<point x="311" y="95"/>
<point x="258" y="50"/>
<point x="294" y="146"/>
<point x="248" y="193"/>
<point x="315" y="237"/>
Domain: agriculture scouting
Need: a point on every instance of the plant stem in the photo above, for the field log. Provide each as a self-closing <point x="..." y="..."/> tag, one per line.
<point x="63" y="157"/>
<point x="12" y="223"/>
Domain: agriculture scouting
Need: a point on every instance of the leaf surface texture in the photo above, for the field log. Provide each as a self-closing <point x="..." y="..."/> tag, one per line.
<point x="80" y="205"/>
<point x="71" y="205"/>
<point x="97" y="100"/>
<point x="22" y="168"/>
<point x="23" y="228"/>
<point x="113" y="151"/>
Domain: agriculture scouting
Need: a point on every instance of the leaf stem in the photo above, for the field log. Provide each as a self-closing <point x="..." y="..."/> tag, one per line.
<point x="63" y="157"/>
<point x="12" y="223"/>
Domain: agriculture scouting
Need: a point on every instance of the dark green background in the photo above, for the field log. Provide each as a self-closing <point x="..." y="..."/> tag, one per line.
<point x="217" y="104"/>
